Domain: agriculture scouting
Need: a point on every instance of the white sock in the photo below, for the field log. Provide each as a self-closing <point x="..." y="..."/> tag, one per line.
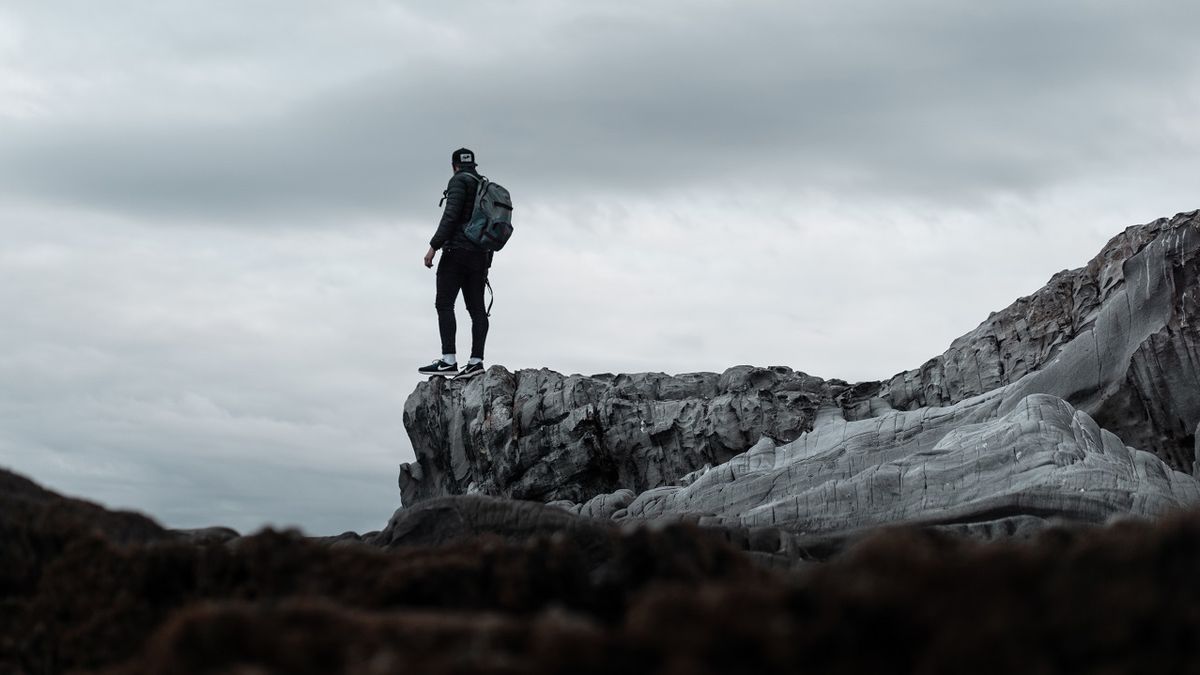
<point x="449" y="358"/>
<point x="473" y="361"/>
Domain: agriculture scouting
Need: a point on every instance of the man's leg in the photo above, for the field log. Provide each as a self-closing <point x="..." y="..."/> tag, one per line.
<point x="449" y="281"/>
<point x="474" y="278"/>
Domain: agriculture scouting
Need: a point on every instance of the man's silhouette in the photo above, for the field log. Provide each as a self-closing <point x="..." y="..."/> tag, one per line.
<point x="464" y="266"/>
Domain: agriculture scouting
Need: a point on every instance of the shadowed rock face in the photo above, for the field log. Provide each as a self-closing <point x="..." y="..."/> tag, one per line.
<point x="1025" y="418"/>
<point x="34" y="522"/>
<point x="484" y="585"/>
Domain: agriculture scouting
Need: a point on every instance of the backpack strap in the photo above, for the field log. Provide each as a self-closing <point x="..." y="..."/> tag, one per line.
<point x="481" y="179"/>
<point x="487" y="282"/>
<point x="481" y="184"/>
<point x="479" y="189"/>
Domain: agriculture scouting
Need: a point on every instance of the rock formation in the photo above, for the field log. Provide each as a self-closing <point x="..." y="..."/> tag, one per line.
<point x="1033" y="415"/>
<point x="1119" y="339"/>
<point x="536" y="434"/>
<point x="1041" y="460"/>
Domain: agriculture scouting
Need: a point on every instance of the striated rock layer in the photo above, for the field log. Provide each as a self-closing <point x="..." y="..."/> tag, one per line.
<point x="540" y="435"/>
<point x="1119" y="339"/>
<point x="934" y="466"/>
<point x="1028" y="417"/>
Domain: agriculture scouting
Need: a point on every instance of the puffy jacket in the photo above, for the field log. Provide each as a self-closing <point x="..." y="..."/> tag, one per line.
<point x="460" y="202"/>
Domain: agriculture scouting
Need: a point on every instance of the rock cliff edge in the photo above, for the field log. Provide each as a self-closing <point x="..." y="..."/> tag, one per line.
<point x="1079" y="402"/>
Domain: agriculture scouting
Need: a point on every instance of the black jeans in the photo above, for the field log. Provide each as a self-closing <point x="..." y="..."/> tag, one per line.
<point x="465" y="271"/>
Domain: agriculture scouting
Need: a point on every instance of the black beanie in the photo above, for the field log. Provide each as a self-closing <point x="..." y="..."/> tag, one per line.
<point x="463" y="157"/>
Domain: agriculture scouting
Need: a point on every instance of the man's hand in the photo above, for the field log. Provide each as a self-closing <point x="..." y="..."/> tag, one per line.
<point x="429" y="257"/>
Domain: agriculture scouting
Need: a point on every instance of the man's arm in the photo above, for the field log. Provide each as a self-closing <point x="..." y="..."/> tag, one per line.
<point x="456" y="198"/>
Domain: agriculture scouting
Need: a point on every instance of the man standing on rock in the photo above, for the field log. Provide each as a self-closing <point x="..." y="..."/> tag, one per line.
<point x="464" y="266"/>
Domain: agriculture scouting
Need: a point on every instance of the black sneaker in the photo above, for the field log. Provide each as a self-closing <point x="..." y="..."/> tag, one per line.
<point x="469" y="371"/>
<point x="438" y="367"/>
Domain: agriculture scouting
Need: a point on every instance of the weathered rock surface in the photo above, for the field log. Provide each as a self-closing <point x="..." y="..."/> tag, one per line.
<point x="933" y="466"/>
<point x="540" y="435"/>
<point x="1032" y="416"/>
<point x="1118" y="339"/>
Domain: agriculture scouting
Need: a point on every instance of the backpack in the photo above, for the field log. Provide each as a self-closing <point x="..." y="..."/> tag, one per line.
<point x="490" y="224"/>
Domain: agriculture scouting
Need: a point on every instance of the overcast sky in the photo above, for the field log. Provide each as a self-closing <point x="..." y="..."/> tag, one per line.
<point x="214" y="211"/>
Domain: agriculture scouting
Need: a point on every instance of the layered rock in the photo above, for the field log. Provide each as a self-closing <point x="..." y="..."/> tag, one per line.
<point x="1030" y="416"/>
<point x="1119" y="339"/>
<point x="536" y="434"/>
<point x="934" y="466"/>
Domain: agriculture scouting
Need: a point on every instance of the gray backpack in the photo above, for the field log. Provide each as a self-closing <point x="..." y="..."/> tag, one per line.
<point x="490" y="225"/>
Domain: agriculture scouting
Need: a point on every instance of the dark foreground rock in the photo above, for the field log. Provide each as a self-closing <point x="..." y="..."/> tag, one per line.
<point x="1080" y="402"/>
<point x="556" y="594"/>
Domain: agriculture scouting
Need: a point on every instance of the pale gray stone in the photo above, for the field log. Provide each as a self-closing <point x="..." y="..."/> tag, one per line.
<point x="1118" y="338"/>
<point x="604" y="506"/>
<point x="933" y="466"/>
<point x="1196" y="453"/>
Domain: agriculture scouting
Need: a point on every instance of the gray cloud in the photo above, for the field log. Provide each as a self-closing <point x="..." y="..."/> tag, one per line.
<point x="930" y="101"/>
<point x="213" y="212"/>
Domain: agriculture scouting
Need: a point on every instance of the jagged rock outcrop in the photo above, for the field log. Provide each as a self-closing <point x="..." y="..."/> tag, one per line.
<point x="540" y="435"/>
<point x="1033" y="415"/>
<point x="1119" y="339"/>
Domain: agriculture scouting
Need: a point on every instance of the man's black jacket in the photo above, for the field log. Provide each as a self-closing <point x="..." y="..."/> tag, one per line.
<point x="460" y="202"/>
